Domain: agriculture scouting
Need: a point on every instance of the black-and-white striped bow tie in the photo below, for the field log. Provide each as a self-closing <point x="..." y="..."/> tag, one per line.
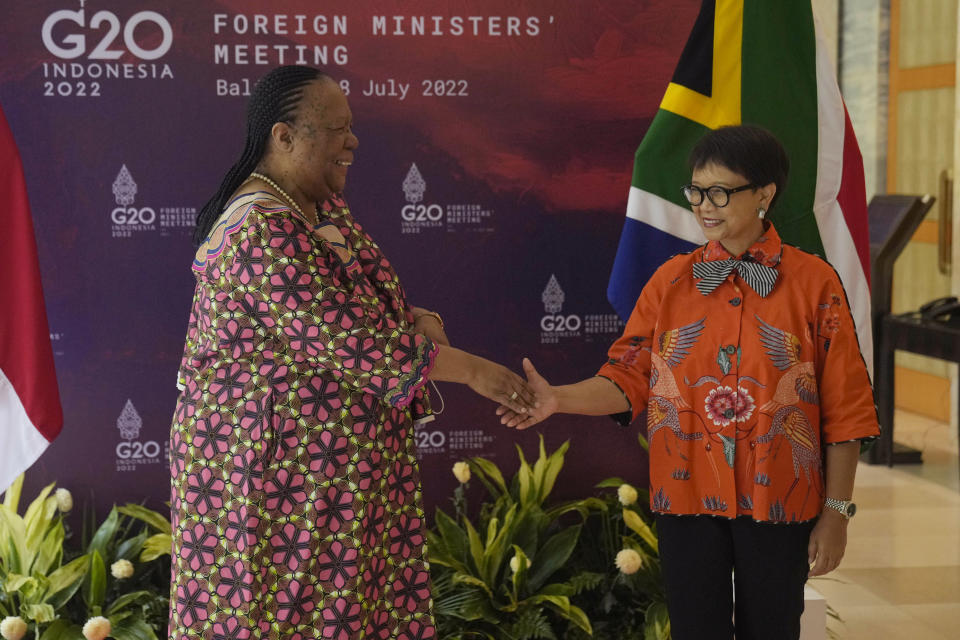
<point x="760" y="277"/>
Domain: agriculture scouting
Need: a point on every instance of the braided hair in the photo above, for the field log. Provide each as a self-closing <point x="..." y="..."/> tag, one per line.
<point x="273" y="99"/>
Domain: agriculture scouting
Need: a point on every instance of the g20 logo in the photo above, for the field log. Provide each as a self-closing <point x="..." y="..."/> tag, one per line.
<point x="132" y="215"/>
<point x="74" y="44"/>
<point x="557" y="322"/>
<point x="431" y="439"/>
<point x="421" y="212"/>
<point x="138" y="450"/>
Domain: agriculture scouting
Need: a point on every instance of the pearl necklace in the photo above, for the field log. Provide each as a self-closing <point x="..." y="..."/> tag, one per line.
<point x="286" y="196"/>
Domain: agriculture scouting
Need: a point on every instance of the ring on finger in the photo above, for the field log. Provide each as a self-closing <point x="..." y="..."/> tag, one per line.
<point x="513" y="396"/>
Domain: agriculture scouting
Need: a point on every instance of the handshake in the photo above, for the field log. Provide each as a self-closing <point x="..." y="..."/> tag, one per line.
<point x="531" y="401"/>
<point x="522" y="402"/>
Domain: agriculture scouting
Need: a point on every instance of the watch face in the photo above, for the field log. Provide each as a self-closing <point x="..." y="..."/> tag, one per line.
<point x="851" y="510"/>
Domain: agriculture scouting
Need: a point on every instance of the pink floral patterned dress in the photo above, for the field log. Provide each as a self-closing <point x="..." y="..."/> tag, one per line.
<point x="295" y="491"/>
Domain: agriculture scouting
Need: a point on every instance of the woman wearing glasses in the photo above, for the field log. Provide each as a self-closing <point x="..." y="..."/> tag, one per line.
<point x="743" y="352"/>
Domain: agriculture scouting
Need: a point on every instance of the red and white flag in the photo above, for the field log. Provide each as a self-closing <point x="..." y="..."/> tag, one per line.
<point x="30" y="413"/>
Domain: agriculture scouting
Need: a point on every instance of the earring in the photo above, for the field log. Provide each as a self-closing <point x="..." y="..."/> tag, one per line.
<point x="761" y="212"/>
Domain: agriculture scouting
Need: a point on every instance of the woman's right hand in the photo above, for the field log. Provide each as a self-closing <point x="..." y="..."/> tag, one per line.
<point x="546" y="395"/>
<point x="501" y="385"/>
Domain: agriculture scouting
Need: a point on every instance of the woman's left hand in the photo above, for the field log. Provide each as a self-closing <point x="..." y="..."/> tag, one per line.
<point x="828" y="540"/>
<point x="429" y="326"/>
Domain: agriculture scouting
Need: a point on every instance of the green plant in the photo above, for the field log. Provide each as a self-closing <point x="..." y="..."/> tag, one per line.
<point x="36" y="583"/>
<point x="627" y="604"/>
<point x="623" y="604"/>
<point x="507" y="577"/>
<point x="119" y="571"/>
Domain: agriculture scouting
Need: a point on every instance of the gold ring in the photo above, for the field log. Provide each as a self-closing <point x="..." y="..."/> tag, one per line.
<point x="514" y="395"/>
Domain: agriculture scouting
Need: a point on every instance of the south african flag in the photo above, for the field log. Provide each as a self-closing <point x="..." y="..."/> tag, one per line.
<point x="759" y="62"/>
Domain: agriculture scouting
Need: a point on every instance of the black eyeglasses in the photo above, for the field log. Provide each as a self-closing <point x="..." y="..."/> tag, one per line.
<point x="719" y="196"/>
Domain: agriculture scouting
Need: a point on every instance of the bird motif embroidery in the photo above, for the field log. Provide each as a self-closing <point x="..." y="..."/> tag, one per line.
<point x="798" y="382"/>
<point x="671" y="348"/>
<point x="793" y="425"/>
<point x="663" y="413"/>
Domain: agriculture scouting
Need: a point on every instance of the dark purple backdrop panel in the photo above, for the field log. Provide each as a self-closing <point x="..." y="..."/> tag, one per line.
<point x="496" y="147"/>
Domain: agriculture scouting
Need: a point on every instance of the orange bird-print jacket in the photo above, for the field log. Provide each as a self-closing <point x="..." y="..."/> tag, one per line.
<point x="743" y="392"/>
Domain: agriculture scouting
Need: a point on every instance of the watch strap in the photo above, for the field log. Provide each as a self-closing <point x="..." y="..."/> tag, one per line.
<point x="838" y="505"/>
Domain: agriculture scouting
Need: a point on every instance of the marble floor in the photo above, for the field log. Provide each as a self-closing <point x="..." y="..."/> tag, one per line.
<point x="900" y="577"/>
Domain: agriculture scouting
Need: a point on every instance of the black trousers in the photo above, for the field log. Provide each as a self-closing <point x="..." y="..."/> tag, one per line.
<point x="769" y="564"/>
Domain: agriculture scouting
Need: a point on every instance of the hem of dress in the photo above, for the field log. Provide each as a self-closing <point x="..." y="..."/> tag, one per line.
<point x="407" y="390"/>
<point x="726" y="517"/>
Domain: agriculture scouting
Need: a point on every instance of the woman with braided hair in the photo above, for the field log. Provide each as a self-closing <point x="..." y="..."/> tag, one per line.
<point x="295" y="497"/>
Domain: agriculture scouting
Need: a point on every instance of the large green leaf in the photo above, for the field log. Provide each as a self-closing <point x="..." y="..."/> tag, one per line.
<point x="157" y="545"/>
<point x="610" y="483"/>
<point x="558" y="589"/>
<point x="561" y="604"/>
<point x="65" y="581"/>
<point x="539" y="471"/>
<point x="476" y="546"/>
<point x="62" y="629"/>
<point x="657" y="622"/>
<point x="131" y="628"/>
<point x="95" y="582"/>
<point x="130" y="548"/>
<point x="104" y="535"/>
<point x="578" y="616"/>
<point x="525" y="479"/>
<point x="15" y="533"/>
<point x="584" y="507"/>
<point x="553" y="466"/>
<point x="15" y="582"/>
<point x="454" y="538"/>
<point x="496" y="548"/>
<point x="151" y="517"/>
<point x="552" y="555"/>
<point x="439" y="554"/>
<point x="493" y="528"/>
<point x="39" y="515"/>
<point x="127" y="599"/>
<point x="526" y="533"/>
<point x="479" y="609"/>
<point x="40" y="613"/>
<point x="486" y="468"/>
<point x="463" y="578"/>
<point x="633" y="520"/>
<point x="11" y="498"/>
<point x="49" y="554"/>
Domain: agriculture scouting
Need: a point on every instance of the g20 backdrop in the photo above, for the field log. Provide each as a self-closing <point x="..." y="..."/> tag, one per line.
<point x="496" y="145"/>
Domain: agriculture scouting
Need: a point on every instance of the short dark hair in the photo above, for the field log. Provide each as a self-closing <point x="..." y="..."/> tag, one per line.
<point x="747" y="149"/>
<point x="274" y="99"/>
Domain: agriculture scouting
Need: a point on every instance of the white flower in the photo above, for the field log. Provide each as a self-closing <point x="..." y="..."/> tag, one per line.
<point x="13" y="628"/>
<point x="121" y="569"/>
<point x="96" y="628"/>
<point x="462" y="471"/>
<point x="628" y="561"/>
<point x="626" y="494"/>
<point x="64" y="500"/>
<point x="515" y="563"/>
